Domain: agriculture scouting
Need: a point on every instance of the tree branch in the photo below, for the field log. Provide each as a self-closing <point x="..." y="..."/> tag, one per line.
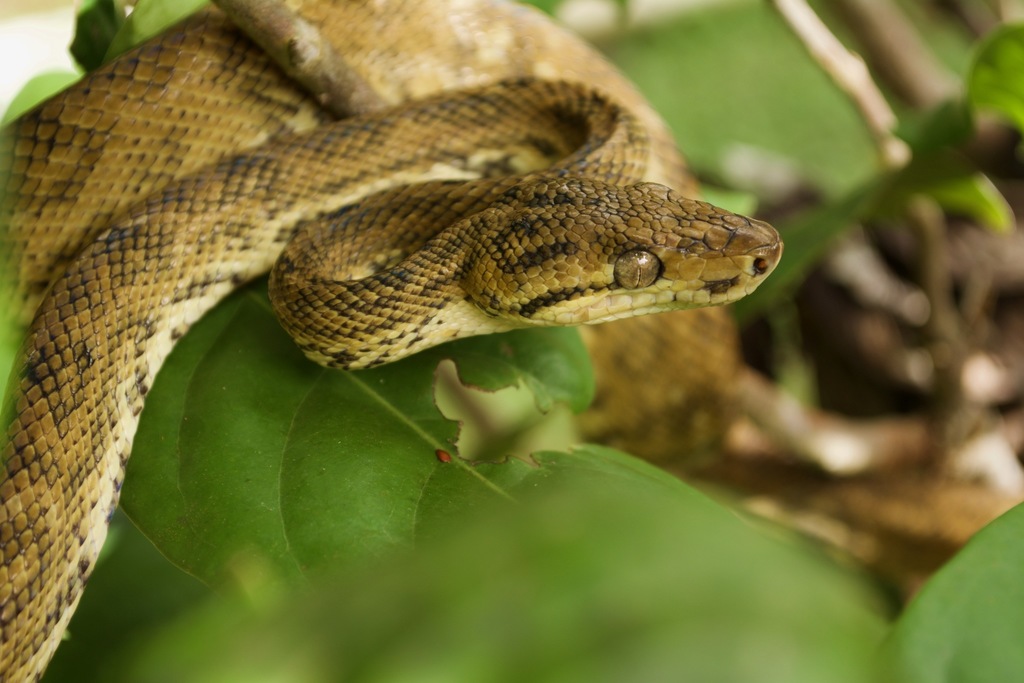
<point x="848" y="71"/>
<point x="304" y="54"/>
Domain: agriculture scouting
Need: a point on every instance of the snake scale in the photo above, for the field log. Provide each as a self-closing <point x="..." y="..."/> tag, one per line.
<point x="144" y="194"/>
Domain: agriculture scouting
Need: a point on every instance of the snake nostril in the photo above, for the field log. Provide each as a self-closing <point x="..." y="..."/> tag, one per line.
<point x="760" y="265"/>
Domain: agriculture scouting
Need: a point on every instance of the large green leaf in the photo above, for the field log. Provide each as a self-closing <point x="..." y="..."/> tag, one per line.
<point x="247" y="449"/>
<point x="607" y="570"/>
<point x="967" y="624"/>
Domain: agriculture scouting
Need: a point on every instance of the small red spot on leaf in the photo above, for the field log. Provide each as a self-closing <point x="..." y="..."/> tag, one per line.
<point x="443" y="456"/>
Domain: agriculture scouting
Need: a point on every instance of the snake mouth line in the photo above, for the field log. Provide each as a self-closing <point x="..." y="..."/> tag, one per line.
<point x="608" y="307"/>
<point x="572" y="307"/>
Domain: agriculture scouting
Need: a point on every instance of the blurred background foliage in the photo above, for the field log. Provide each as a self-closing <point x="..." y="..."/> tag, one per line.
<point x="613" y="570"/>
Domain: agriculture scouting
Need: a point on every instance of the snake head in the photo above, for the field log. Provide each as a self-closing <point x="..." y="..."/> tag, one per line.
<point x="569" y="251"/>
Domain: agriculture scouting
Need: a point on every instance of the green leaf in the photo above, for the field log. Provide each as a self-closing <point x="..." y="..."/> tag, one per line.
<point x="38" y="89"/>
<point x="940" y="128"/>
<point x="996" y="77"/>
<point x="297" y="467"/>
<point x="610" y="570"/>
<point x="954" y="184"/>
<point x="967" y="624"/>
<point x="147" y="20"/>
<point x="976" y="196"/>
<point x="97" y="23"/>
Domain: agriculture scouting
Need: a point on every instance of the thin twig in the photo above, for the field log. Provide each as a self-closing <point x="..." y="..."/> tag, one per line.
<point x="849" y="72"/>
<point x="946" y="337"/>
<point x="304" y="54"/>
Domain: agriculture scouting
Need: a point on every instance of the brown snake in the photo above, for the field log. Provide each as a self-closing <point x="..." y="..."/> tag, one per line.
<point x="129" y="211"/>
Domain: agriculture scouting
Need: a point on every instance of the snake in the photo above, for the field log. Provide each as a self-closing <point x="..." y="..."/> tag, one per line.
<point x="515" y="179"/>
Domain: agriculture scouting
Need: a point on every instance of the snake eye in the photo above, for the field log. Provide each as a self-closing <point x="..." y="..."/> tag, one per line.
<point x="637" y="269"/>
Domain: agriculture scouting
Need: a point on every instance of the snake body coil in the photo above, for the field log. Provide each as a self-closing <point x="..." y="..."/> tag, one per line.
<point x="577" y="240"/>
